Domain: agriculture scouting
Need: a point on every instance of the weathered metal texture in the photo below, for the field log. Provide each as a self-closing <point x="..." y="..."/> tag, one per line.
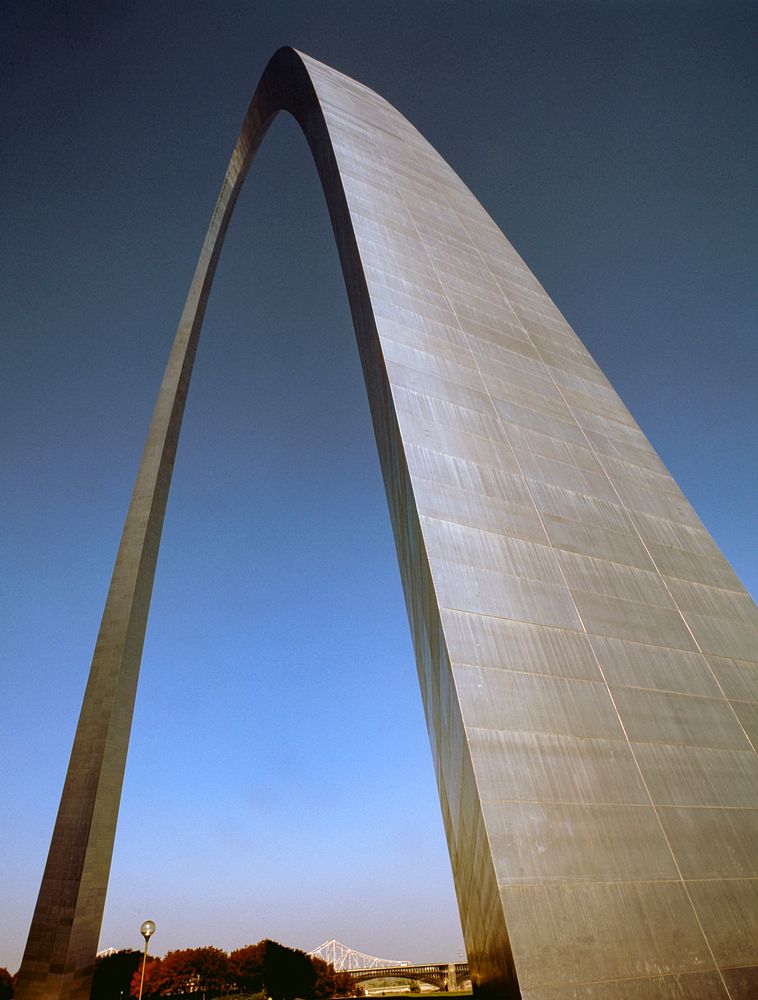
<point x="587" y="657"/>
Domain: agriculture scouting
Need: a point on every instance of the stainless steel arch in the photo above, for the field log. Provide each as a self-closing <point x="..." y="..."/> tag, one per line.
<point x="565" y="601"/>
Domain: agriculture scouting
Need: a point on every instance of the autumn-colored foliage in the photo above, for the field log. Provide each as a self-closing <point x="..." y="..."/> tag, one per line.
<point x="186" y="970"/>
<point x="268" y="968"/>
<point x="330" y="983"/>
<point x="246" y="967"/>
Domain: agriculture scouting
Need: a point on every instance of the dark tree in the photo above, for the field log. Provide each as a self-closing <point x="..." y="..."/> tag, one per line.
<point x="210" y="969"/>
<point x="186" y="970"/>
<point x="284" y="973"/>
<point x="246" y="967"/>
<point x="113" y="974"/>
<point x="330" y="983"/>
<point x="287" y="972"/>
<point x="6" y="985"/>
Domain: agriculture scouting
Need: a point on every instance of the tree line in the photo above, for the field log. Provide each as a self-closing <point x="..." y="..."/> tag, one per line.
<point x="255" y="972"/>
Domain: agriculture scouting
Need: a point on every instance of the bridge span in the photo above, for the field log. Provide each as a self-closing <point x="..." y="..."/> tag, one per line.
<point x="364" y="967"/>
<point x="446" y="975"/>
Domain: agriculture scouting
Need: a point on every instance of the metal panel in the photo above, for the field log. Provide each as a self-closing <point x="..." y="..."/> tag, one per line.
<point x="621" y="930"/>
<point x="713" y="843"/>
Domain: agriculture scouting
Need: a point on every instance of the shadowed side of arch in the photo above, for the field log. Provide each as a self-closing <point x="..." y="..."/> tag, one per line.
<point x="569" y="613"/>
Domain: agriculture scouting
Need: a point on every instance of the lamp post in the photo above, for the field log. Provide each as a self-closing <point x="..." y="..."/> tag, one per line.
<point x="146" y="930"/>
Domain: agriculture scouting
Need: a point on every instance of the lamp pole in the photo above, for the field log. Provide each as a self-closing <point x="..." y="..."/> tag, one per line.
<point x="146" y="930"/>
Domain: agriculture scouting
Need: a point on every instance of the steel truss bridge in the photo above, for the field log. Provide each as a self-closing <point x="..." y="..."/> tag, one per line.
<point x="364" y="967"/>
<point x="447" y="975"/>
<point x="346" y="959"/>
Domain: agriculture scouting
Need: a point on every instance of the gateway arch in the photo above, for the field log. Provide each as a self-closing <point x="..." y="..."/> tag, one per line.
<point x="586" y="656"/>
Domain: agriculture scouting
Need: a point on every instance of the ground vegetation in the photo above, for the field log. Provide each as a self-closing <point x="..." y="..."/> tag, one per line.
<point x="6" y="985"/>
<point x="256" y="972"/>
<point x="113" y="974"/>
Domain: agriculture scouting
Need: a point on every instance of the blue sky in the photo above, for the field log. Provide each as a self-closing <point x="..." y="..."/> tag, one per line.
<point x="279" y="781"/>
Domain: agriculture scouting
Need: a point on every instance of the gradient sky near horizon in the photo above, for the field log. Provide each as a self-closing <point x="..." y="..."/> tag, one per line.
<point x="279" y="782"/>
